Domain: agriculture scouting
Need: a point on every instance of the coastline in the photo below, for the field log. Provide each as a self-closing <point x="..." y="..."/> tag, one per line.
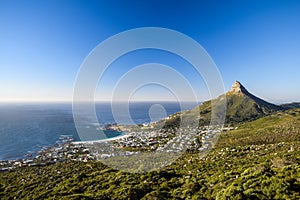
<point x="124" y="135"/>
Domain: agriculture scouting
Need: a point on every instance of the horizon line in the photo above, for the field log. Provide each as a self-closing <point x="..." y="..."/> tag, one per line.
<point x="99" y="101"/>
<point x="109" y="101"/>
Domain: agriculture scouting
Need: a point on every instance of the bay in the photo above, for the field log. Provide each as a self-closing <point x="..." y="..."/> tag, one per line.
<point x="28" y="127"/>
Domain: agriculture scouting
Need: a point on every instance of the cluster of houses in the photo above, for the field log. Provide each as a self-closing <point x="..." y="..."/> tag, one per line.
<point x="65" y="149"/>
<point x="146" y="139"/>
<point x="171" y="140"/>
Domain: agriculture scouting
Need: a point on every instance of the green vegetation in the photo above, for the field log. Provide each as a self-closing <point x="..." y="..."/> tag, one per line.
<point x="236" y="173"/>
<point x="241" y="106"/>
<point x="278" y="127"/>
<point x="258" y="160"/>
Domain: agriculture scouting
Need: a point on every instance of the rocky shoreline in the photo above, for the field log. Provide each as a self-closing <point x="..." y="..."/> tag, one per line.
<point x="64" y="150"/>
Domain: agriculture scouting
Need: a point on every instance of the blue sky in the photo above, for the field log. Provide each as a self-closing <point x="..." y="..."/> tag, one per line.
<point x="43" y="43"/>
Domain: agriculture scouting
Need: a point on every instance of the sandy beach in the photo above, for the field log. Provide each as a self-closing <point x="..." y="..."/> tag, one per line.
<point x="103" y="140"/>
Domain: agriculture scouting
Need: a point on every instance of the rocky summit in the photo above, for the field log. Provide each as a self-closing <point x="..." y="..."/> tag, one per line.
<point x="237" y="88"/>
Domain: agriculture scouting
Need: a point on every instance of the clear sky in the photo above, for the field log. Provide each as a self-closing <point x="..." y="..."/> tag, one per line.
<point x="43" y="43"/>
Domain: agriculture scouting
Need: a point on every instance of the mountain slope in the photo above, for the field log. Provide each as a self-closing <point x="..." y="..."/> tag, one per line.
<point x="241" y="106"/>
<point x="244" y="106"/>
<point x="279" y="127"/>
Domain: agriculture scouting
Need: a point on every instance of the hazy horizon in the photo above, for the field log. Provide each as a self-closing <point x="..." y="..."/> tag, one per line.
<point x="136" y="101"/>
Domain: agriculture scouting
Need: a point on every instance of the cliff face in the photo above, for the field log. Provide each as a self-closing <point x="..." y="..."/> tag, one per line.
<point x="238" y="89"/>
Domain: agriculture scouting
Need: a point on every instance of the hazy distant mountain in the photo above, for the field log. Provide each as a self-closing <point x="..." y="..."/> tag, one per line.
<point x="291" y="105"/>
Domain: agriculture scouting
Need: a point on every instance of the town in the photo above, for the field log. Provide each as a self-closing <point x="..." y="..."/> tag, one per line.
<point x="135" y="142"/>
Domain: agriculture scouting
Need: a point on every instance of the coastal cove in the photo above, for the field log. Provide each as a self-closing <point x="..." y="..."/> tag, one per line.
<point x="26" y="128"/>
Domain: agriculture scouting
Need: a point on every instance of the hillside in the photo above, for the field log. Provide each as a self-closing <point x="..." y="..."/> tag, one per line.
<point x="258" y="159"/>
<point x="244" y="165"/>
<point x="282" y="126"/>
<point x="241" y="106"/>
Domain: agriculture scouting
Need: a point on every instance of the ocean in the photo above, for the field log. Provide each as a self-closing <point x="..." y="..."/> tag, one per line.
<point x="27" y="128"/>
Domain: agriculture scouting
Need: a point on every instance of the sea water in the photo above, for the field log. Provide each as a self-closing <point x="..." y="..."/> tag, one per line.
<point x="26" y="128"/>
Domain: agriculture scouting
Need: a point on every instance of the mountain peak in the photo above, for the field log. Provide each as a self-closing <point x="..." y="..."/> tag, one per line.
<point x="237" y="88"/>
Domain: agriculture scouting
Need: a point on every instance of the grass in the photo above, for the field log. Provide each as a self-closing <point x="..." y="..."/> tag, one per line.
<point x="248" y="172"/>
<point x="244" y="165"/>
<point x="278" y="127"/>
